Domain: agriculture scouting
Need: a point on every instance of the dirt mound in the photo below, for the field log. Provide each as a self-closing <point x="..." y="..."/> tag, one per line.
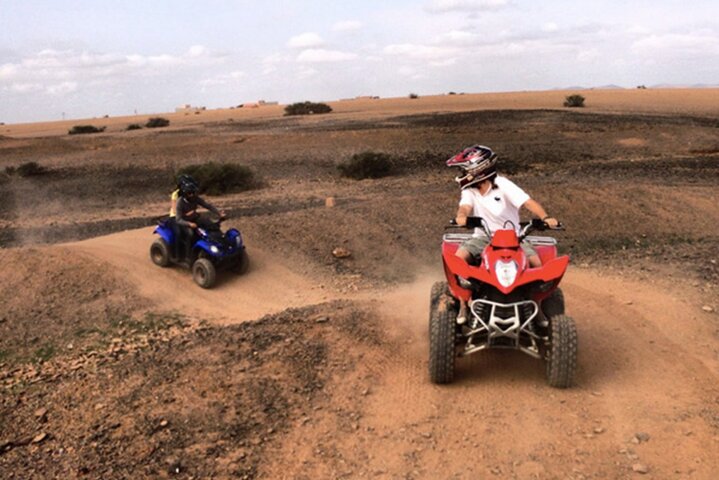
<point x="55" y="301"/>
<point x="209" y="402"/>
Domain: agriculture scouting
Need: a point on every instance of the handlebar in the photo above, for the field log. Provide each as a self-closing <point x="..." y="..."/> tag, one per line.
<point x="527" y="228"/>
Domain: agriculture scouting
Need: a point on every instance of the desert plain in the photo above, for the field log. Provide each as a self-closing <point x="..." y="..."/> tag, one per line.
<point x="312" y="366"/>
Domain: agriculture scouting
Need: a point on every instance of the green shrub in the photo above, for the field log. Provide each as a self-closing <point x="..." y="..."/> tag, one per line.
<point x="157" y="122"/>
<point x="574" y="101"/>
<point x="134" y="126"/>
<point x="307" y="108"/>
<point x="80" y="129"/>
<point x="29" y="169"/>
<point x="367" y="165"/>
<point x="219" y="178"/>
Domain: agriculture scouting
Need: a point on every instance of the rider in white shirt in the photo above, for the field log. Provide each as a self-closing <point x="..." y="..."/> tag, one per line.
<point x="494" y="198"/>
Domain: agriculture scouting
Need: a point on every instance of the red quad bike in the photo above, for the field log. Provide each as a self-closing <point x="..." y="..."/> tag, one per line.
<point x="509" y="304"/>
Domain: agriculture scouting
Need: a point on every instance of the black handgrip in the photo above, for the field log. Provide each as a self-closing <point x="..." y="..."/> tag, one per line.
<point x="474" y="222"/>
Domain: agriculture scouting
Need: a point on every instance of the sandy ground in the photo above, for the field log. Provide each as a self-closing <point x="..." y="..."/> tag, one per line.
<point x="311" y="366"/>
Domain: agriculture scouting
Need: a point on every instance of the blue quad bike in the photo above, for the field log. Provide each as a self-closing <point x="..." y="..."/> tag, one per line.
<point x="212" y="250"/>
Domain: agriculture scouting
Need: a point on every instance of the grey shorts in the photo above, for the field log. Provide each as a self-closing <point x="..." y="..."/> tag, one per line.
<point x="475" y="246"/>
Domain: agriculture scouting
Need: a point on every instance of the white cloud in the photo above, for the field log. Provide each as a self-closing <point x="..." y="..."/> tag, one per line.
<point x="638" y="30"/>
<point x="306" y="72"/>
<point x="305" y="40"/>
<point x="347" y="26"/>
<point x="550" y="27"/>
<point x="8" y="71"/>
<point x="223" y="79"/>
<point x="691" y="43"/>
<point x="319" y="55"/>
<point x="590" y="55"/>
<point x="197" y="51"/>
<point x="61" y="88"/>
<point x="443" y="63"/>
<point x="25" y="87"/>
<point x="443" y="6"/>
<point x="58" y="72"/>
<point x="422" y="52"/>
<point x="458" y="37"/>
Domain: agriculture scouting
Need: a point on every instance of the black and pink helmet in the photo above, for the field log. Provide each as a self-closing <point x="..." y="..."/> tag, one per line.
<point x="477" y="163"/>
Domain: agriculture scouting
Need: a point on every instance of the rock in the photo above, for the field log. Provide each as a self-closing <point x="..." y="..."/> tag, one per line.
<point x="39" y="437"/>
<point x="340" y="252"/>
<point x="427" y="434"/>
<point x="642" y="437"/>
<point x="174" y="465"/>
<point x="640" y="468"/>
<point x="164" y="423"/>
<point x="41" y="414"/>
<point x="330" y="202"/>
<point x="707" y="309"/>
<point x="322" y="319"/>
<point x="598" y="430"/>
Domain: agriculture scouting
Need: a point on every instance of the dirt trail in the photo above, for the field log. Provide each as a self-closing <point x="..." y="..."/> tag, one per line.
<point x="268" y="287"/>
<point x="648" y="363"/>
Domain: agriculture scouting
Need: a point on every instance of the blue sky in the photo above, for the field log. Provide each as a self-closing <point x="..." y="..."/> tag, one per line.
<point x="92" y="58"/>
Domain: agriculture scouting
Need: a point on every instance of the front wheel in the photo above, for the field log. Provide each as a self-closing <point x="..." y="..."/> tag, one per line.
<point x="160" y="252"/>
<point x="562" y="353"/>
<point x="203" y="273"/>
<point x="442" y="325"/>
<point x="243" y="264"/>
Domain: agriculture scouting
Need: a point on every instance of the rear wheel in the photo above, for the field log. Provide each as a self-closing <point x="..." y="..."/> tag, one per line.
<point x="442" y="325"/>
<point x="203" y="273"/>
<point x="160" y="252"/>
<point x="562" y="353"/>
<point x="554" y="304"/>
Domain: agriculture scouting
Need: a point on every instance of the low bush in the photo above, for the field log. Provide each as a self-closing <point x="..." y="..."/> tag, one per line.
<point x="307" y="108"/>
<point x="29" y="169"/>
<point x="157" y="122"/>
<point x="413" y="96"/>
<point x="219" y="178"/>
<point x="574" y="101"/>
<point x="367" y="165"/>
<point x="80" y="129"/>
<point x="134" y="126"/>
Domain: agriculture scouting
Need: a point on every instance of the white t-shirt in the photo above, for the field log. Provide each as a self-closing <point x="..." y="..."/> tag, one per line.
<point x="498" y="206"/>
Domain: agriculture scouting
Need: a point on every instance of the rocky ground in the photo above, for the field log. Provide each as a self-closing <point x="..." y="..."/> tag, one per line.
<point x="314" y="366"/>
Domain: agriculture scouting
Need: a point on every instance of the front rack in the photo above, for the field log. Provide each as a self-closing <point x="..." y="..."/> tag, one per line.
<point x="506" y="325"/>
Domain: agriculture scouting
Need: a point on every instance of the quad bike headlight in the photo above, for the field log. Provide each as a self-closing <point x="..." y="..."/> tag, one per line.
<point x="506" y="272"/>
<point x="214" y="249"/>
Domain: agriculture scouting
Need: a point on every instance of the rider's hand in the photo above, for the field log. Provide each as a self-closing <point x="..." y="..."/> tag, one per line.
<point x="223" y="214"/>
<point x="551" y="222"/>
<point x="461" y="221"/>
<point x="193" y="225"/>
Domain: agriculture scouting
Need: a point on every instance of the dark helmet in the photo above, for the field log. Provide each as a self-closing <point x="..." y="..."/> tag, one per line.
<point x="477" y="163"/>
<point x="187" y="185"/>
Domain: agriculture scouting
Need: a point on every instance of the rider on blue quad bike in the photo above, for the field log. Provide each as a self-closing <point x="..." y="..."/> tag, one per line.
<point x="186" y="214"/>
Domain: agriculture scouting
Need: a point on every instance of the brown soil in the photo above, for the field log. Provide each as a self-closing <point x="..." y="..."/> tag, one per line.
<point x="310" y="366"/>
